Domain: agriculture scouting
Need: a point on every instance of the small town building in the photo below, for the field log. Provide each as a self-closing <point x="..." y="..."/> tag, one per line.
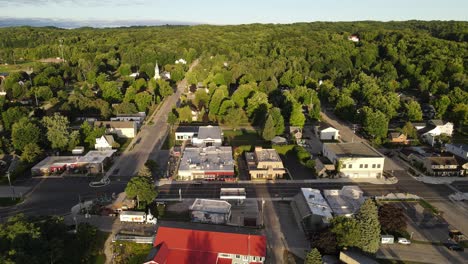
<point x="326" y="132"/>
<point x="123" y="129"/>
<point x="208" y="163"/>
<point x="436" y="165"/>
<point x="346" y="201"/>
<point x="55" y="164"/>
<point x="95" y="161"/>
<point x="186" y="133"/>
<point x="311" y="210"/>
<point x="459" y="150"/>
<point x="208" y="136"/>
<point x="355" y="159"/>
<point x="105" y="142"/>
<point x="295" y="132"/>
<point x="78" y="150"/>
<point x="398" y="138"/>
<point x="139" y="118"/>
<point x="210" y="211"/>
<point x="279" y="141"/>
<point x="264" y="164"/>
<point x="177" y="245"/>
<point x="324" y="167"/>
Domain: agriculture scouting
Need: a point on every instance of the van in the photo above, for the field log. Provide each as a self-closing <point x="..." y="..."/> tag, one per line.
<point x="387" y="239"/>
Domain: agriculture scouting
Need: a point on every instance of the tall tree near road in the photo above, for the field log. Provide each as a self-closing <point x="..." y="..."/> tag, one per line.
<point x="25" y="132"/>
<point x="297" y="117"/>
<point x="313" y="257"/>
<point x="141" y="188"/>
<point x="369" y="227"/>
<point x="58" y="131"/>
<point x="234" y="118"/>
<point x="268" y="132"/>
<point x="278" y="120"/>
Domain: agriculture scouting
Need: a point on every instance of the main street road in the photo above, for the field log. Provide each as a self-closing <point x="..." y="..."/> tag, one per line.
<point x="150" y="138"/>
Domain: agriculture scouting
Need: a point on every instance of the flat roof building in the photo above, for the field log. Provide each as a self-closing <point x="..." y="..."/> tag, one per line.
<point x="346" y="201"/>
<point x="203" y="136"/>
<point x="356" y="159"/>
<point x="209" y="163"/>
<point x="264" y="164"/>
<point x="311" y="209"/>
<point x="210" y="211"/>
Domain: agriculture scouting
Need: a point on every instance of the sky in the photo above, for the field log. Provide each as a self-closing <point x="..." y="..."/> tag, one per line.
<point x="235" y="11"/>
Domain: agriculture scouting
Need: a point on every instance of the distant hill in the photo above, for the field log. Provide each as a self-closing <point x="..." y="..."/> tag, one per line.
<point x="62" y="23"/>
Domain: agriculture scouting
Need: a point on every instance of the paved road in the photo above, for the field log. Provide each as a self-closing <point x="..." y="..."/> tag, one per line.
<point x="422" y="254"/>
<point x="150" y="138"/>
<point x="346" y="133"/>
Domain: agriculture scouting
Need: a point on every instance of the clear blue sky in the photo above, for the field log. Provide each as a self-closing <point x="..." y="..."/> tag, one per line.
<point x="237" y="11"/>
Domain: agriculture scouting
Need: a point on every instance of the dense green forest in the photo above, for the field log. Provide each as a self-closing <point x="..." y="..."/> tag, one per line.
<point x="267" y="75"/>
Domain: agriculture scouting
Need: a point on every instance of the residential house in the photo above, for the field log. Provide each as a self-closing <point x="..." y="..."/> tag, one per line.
<point x="435" y="128"/>
<point x="460" y="150"/>
<point x="105" y="142"/>
<point x="346" y="201"/>
<point x="355" y="159"/>
<point x="177" y="245"/>
<point x="311" y="210"/>
<point x="210" y="211"/>
<point x="123" y="129"/>
<point x="296" y="133"/>
<point x="138" y="117"/>
<point x="398" y="138"/>
<point x="264" y="164"/>
<point x="436" y="165"/>
<point x="324" y="167"/>
<point x="208" y="163"/>
<point x="326" y="132"/>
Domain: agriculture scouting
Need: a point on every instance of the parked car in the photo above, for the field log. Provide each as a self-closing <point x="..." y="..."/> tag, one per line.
<point x="404" y="241"/>
<point x="455" y="247"/>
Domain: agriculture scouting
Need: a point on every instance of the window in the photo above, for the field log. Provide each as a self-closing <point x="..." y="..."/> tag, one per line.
<point x="365" y="166"/>
<point x="361" y="166"/>
<point x="245" y="258"/>
<point x="350" y="166"/>
<point x="237" y="256"/>
<point x="378" y="166"/>
<point x="373" y="166"/>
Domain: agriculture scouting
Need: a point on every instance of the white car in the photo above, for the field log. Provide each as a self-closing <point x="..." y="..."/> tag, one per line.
<point x="404" y="241"/>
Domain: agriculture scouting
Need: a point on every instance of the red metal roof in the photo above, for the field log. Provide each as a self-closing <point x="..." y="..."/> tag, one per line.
<point x="195" y="246"/>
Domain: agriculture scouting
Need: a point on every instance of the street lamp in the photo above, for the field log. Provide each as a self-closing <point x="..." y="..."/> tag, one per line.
<point x="12" y="189"/>
<point x="263" y="214"/>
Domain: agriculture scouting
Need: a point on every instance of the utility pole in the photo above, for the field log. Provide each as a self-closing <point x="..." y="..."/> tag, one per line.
<point x="180" y="194"/>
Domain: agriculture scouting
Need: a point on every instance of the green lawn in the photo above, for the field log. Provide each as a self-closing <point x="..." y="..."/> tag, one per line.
<point x="16" y="67"/>
<point x="244" y="137"/>
<point x="131" y="253"/>
<point x="429" y="206"/>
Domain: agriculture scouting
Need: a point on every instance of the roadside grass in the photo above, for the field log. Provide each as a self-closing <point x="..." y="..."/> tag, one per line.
<point x="123" y="142"/>
<point x="429" y="206"/>
<point x="8" y="201"/>
<point x="130" y="252"/>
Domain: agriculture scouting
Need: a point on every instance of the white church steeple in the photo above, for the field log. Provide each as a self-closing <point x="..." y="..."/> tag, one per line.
<point x="156" y="72"/>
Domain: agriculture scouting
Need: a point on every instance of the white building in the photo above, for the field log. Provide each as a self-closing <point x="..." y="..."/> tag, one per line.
<point x="105" y="142"/>
<point x="210" y="211"/>
<point x="346" y="201"/>
<point x="460" y="150"/>
<point x="138" y="117"/>
<point x="356" y="160"/>
<point x="434" y="129"/>
<point x="181" y="61"/>
<point x="203" y="136"/>
<point x="157" y="76"/>
<point x="208" y="163"/>
<point x="123" y="129"/>
<point x="326" y="132"/>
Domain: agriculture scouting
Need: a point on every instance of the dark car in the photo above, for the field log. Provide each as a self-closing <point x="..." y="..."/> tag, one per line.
<point x="455" y="247"/>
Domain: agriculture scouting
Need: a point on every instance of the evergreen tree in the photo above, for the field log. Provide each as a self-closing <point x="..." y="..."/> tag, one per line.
<point x="269" y="129"/>
<point x="369" y="226"/>
<point x="278" y="120"/>
<point x="313" y="257"/>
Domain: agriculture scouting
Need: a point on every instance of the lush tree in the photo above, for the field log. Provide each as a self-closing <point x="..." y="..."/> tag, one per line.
<point x="164" y="88"/>
<point x="297" y="117"/>
<point x="141" y="188"/>
<point x="345" y="107"/>
<point x="413" y="111"/>
<point x="125" y="69"/>
<point x="89" y="134"/>
<point x="185" y="114"/>
<point x="216" y="100"/>
<point x="375" y="123"/>
<point x="202" y="99"/>
<point x="242" y="93"/>
<point x="347" y="231"/>
<point x="130" y="94"/>
<point x="58" y="131"/>
<point x="460" y="112"/>
<point x="234" y="117"/>
<point x="125" y="108"/>
<point x="324" y="241"/>
<point x="145" y="171"/>
<point x="31" y="152"/>
<point x="143" y="101"/>
<point x="392" y="219"/>
<point x="11" y="115"/>
<point x="44" y="93"/>
<point x="369" y="227"/>
<point x="441" y="105"/>
<point x="278" y="120"/>
<point x="225" y="106"/>
<point x="25" y="132"/>
<point x="268" y="132"/>
<point x="111" y="92"/>
<point x="409" y="130"/>
<point x="171" y="118"/>
<point x="313" y="257"/>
